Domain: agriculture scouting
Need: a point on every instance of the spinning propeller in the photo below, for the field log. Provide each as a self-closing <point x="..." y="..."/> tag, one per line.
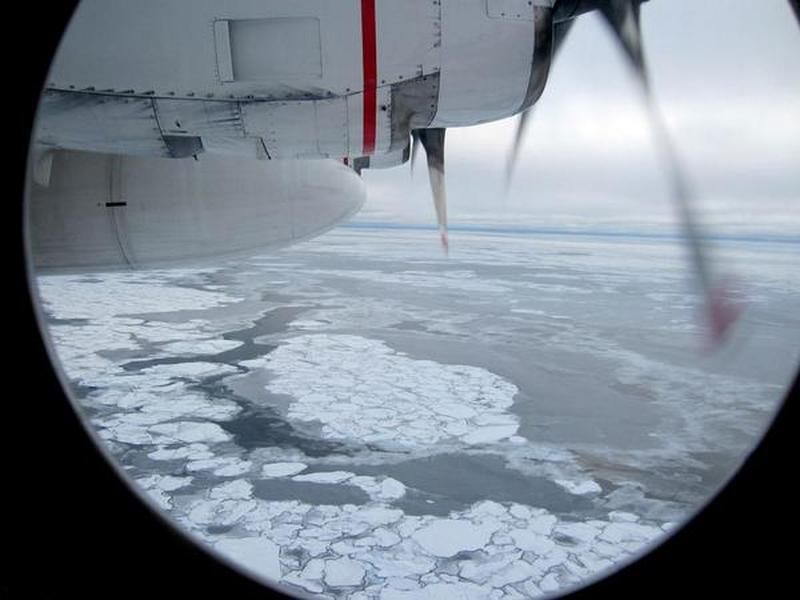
<point x="622" y="16"/>
<point x="721" y="311"/>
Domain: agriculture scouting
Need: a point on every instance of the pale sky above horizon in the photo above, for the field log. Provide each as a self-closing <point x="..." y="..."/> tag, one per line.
<point x="727" y="79"/>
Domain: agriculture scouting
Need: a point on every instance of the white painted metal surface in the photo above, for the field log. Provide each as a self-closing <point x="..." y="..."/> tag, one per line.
<point x="486" y="64"/>
<point x="281" y="79"/>
<point x="170" y="47"/>
<point x="107" y="212"/>
<point x="408" y="34"/>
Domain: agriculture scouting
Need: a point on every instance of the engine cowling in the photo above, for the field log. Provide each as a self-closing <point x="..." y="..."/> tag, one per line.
<point x="101" y="212"/>
<point x="281" y="79"/>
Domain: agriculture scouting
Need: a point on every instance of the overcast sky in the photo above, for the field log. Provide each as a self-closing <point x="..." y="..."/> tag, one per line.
<point x="727" y="77"/>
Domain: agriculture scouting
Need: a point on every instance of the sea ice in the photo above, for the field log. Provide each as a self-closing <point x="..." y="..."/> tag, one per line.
<point x="616" y="533"/>
<point x="283" y="469"/>
<point x="359" y="388"/>
<point x="479" y="570"/>
<point x="399" y="564"/>
<point x="168" y="483"/>
<point x="525" y="539"/>
<point x="579" y="531"/>
<point x="194" y="370"/>
<point x="258" y="554"/>
<point x="486" y="435"/>
<point x="191" y="451"/>
<point x="157" y="487"/>
<point x="297" y="579"/>
<point x="354" y="388"/>
<point x="71" y="297"/>
<point x="437" y="591"/>
<point x="513" y="572"/>
<point x="385" y="538"/>
<point x="223" y="513"/>
<point x="176" y="403"/>
<point x="490" y="507"/>
<point x="234" y="467"/>
<point x="237" y="489"/>
<point x="580" y="488"/>
<point x="448" y="537"/>
<point x="519" y="511"/>
<point x="124" y="432"/>
<point x="209" y="464"/>
<point x="550" y="583"/>
<point x="314" y="569"/>
<point x="542" y="524"/>
<point x="384" y="489"/>
<point x="210" y="346"/>
<point x="189" y="431"/>
<point x="619" y="516"/>
<point x="162" y="500"/>
<point x="344" y="572"/>
<point x="324" y="477"/>
<point x="379" y="515"/>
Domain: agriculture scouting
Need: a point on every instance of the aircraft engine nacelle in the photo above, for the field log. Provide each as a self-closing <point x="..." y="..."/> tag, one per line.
<point x="283" y="79"/>
<point x="102" y="212"/>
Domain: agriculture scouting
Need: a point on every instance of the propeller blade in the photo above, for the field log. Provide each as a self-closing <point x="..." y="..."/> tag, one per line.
<point x="433" y="142"/>
<point x="721" y="311"/>
<point x="795" y="4"/>
<point x="522" y="126"/>
<point x="414" y="149"/>
<point x="548" y="43"/>
<point x="623" y="17"/>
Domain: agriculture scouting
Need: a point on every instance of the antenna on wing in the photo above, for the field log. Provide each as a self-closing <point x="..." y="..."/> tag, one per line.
<point x="721" y="311"/>
<point x="433" y="142"/>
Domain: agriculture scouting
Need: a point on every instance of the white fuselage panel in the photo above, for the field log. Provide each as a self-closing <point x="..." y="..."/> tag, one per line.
<point x="282" y="79"/>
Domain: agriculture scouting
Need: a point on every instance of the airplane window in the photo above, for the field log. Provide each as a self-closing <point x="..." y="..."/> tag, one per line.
<point x="346" y="392"/>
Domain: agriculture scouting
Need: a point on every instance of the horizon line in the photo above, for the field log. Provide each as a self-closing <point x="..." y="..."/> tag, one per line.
<point x="597" y="231"/>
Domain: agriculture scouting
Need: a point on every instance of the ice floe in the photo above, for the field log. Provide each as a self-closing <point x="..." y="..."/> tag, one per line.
<point x="357" y="389"/>
<point x="191" y="451"/>
<point x="580" y="488"/>
<point x="159" y="486"/>
<point x="491" y="549"/>
<point x="191" y="431"/>
<point x="360" y="389"/>
<point x="344" y="572"/>
<point x="76" y="297"/>
<point x="161" y="415"/>
<point x="448" y="537"/>
<point x="209" y="346"/>
<point x="282" y="469"/>
<point x="256" y="553"/>
<point x="324" y="477"/>
<point x="222" y="466"/>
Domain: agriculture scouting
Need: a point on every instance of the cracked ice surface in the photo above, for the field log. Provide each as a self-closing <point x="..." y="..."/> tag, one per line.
<point x="153" y="405"/>
<point x="164" y="418"/>
<point x="105" y="303"/>
<point x="79" y="297"/>
<point x="389" y="398"/>
<point x="372" y="550"/>
<point x="489" y="550"/>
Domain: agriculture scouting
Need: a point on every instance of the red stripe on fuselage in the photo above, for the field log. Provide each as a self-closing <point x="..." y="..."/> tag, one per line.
<point x="369" y="57"/>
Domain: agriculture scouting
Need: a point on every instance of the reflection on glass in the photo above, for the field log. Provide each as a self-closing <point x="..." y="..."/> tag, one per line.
<point x="362" y="416"/>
